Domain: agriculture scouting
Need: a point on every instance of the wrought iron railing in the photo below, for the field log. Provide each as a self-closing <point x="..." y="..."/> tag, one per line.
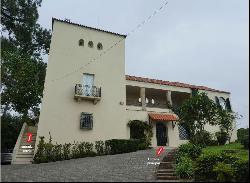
<point x="86" y="90"/>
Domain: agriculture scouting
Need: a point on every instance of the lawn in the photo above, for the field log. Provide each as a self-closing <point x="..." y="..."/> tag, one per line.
<point x="234" y="148"/>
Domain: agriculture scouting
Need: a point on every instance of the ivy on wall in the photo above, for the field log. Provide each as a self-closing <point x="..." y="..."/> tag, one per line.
<point x="141" y="130"/>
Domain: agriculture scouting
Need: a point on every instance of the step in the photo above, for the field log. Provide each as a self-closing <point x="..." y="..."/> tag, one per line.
<point x="23" y="156"/>
<point x="25" y="153"/>
<point x="27" y="144"/>
<point x="164" y="177"/>
<point x="165" y="170"/>
<point x="166" y="165"/>
<point x="165" y="173"/>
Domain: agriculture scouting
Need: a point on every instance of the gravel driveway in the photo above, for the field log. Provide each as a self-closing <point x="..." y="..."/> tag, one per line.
<point x="135" y="166"/>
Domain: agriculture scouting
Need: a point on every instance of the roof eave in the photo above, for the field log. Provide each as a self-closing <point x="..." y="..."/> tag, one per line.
<point x="109" y="32"/>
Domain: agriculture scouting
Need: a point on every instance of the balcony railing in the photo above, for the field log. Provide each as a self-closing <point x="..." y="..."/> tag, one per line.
<point x="87" y="92"/>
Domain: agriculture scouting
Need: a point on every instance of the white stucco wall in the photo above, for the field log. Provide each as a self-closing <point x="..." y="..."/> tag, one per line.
<point x="60" y="113"/>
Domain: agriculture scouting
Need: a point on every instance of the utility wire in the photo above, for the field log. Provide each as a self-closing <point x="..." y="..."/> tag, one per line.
<point x="114" y="45"/>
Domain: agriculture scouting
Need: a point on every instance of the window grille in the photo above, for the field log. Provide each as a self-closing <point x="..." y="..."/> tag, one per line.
<point x="183" y="133"/>
<point x="86" y="121"/>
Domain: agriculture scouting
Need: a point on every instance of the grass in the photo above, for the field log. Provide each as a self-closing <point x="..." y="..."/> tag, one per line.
<point x="237" y="148"/>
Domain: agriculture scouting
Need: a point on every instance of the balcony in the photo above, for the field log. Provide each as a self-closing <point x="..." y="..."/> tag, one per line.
<point x="86" y="92"/>
<point x="152" y="99"/>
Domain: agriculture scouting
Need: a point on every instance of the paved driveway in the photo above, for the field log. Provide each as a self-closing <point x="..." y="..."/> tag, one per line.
<point x="121" y="167"/>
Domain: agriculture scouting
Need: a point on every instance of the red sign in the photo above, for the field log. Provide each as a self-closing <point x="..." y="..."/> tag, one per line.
<point x="29" y="137"/>
<point x="159" y="151"/>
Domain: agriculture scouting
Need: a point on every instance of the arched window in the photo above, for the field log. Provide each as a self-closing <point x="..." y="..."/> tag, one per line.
<point x="81" y="42"/>
<point x="152" y="101"/>
<point x="146" y="100"/>
<point x="228" y="105"/>
<point x="139" y="100"/>
<point x="99" y="46"/>
<point x="222" y="102"/>
<point x="91" y="44"/>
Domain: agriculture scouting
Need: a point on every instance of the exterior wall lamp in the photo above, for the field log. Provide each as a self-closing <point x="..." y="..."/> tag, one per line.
<point x="173" y="123"/>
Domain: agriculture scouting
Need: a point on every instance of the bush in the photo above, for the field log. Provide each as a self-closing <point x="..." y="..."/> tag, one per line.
<point x="222" y="137"/>
<point x="100" y="148"/>
<point x="39" y="156"/>
<point x="203" y="138"/>
<point x="245" y="142"/>
<point x="241" y="133"/>
<point x="224" y="172"/>
<point x="66" y="151"/>
<point x="142" y="131"/>
<point x="48" y="152"/>
<point x="185" y="168"/>
<point x="118" y="146"/>
<point x="57" y="152"/>
<point x="190" y="150"/>
<point x="75" y="151"/>
<point x="241" y="168"/>
<point x="206" y="162"/>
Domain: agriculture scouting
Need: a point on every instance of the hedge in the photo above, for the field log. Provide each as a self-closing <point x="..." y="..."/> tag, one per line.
<point x="48" y="152"/>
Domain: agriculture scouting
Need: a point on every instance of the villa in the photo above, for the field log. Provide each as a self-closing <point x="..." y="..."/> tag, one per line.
<point x="88" y="97"/>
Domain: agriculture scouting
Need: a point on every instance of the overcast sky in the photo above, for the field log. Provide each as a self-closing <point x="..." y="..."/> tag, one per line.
<point x="201" y="42"/>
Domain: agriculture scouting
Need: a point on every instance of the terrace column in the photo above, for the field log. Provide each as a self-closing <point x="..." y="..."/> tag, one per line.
<point x="169" y="98"/>
<point x="143" y="98"/>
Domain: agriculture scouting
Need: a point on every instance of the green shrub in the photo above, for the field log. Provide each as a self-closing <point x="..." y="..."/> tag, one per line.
<point x="48" y="152"/>
<point x="224" y="172"/>
<point x="184" y="168"/>
<point x="241" y="168"/>
<point x="118" y="146"/>
<point x="245" y="141"/>
<point x="57" y="152"/>
<point x="241" y="133"/>
<point x="85" y="149"/>
<point x="100" y="147"/>
<point x="190" y="150"/>
<point x="75" y="151"/>
<point x="203" y="138"/>
<point x="142" y="131"/>
<point x="206" y="162"/>
<point x="222" y="137"/>
<point x="66" y="151"/>
<point x="213" y="143"/>
<point x="39" y="156"/>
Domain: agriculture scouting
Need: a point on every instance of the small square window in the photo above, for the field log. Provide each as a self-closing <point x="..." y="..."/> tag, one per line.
<point x="86" y="121"/>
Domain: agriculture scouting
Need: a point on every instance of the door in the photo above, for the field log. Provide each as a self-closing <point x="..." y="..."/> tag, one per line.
<point x="161" y="134"/>
<point x="88" y="83"/>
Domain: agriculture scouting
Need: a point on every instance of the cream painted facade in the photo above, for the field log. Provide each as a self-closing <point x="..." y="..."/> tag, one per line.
<point x="61" y="111"/>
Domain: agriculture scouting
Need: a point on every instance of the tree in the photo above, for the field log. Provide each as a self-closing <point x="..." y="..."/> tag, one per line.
<point x="22" y="80"/>
<point x="196" y="112"/>
<point x="10" y="127"/>
<point x="19" y="21"/>
<point x="23" y="45"/>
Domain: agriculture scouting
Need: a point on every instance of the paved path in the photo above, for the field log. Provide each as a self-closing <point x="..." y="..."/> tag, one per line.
<point x="121" y="167"/>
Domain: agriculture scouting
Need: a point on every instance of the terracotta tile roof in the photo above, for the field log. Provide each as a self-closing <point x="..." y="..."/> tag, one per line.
<point x="163" y="117"/>
<point x="177" y="84"/>
<point x="68" y="22"/>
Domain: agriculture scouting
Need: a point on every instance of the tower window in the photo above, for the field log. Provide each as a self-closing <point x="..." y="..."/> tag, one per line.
<point x="91" y="44"/>
<point x="99" y="46"/>
<point x="81" y="42"/>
